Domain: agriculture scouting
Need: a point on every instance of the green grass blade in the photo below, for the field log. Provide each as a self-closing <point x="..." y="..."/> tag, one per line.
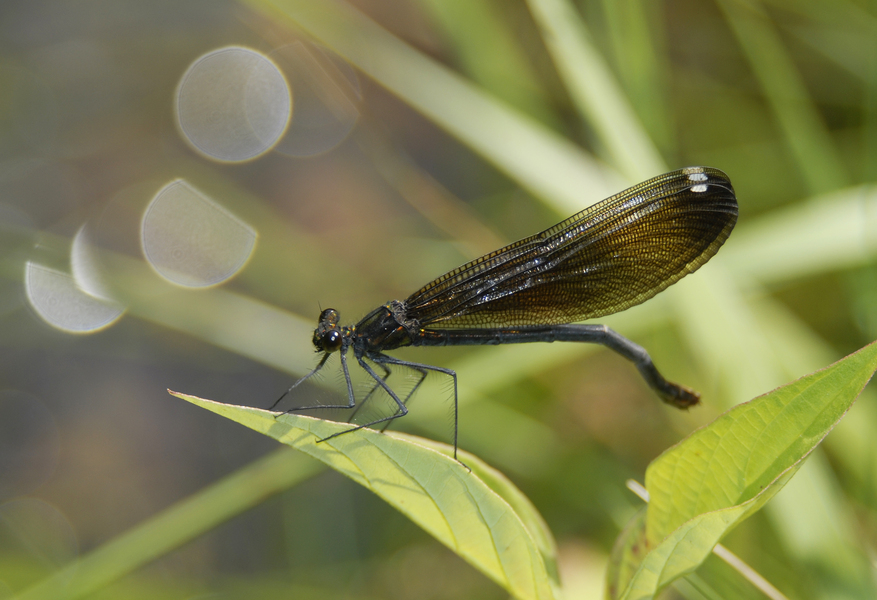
<point x="823" y="234"/>
<point x="845" y="14"/>
<point x="181" y="523"/>
<point x="490" y="52"/>
<point x="704" y="486"/>
<point x="540" y="160"/>
<point x="639" y="48"/>
<point x="478" y="514"/>
<point x="805" y="133"/>
<point x="595" y="91"/>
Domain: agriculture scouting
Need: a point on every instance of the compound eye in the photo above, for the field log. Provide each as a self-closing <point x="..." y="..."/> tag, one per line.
<point x="330" y="315"/>
<point x="332" y="340"/>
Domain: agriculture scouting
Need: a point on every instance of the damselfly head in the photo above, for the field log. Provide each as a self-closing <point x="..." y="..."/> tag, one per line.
<point x="328" y="337"/>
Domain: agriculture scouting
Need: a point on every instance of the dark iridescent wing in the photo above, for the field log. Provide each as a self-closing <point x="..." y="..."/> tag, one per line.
<point x="609" y="257"/>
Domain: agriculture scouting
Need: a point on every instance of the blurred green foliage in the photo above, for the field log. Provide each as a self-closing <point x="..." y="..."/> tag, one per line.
<point x="481" y="121"/>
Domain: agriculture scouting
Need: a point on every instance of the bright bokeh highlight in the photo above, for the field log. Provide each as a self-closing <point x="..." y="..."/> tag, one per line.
<point x="191" y="240"/>
<point x="233" y="104"/>
<point x="57" y="299"/>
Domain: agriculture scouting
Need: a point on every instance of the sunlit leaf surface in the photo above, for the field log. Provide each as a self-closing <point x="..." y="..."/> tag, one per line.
<point x="721" y="474"/>
<point x="478" y="514"/>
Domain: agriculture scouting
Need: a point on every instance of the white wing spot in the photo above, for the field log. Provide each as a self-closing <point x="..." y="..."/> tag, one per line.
<point x="699" y="188"/>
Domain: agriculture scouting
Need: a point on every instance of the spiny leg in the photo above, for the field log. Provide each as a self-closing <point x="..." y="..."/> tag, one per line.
<point x="386" y="359"/>
<point x="413" y="390"/>
<point x="351" y="401"/>
<point x="296" y="384"/>
<point x="401" y="412"/>
<point x="362" y="402"/>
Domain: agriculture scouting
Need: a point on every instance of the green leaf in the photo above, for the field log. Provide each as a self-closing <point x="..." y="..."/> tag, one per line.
<point x="721" y="474"/>
<point x="479" y="515"/>
<point x="627" y="554"/>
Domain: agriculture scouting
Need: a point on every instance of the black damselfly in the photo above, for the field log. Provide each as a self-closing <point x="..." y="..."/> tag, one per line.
<point x="609" y="257"/>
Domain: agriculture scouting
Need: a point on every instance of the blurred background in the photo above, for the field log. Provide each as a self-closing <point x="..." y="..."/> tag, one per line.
<point x="183" y="187"/>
